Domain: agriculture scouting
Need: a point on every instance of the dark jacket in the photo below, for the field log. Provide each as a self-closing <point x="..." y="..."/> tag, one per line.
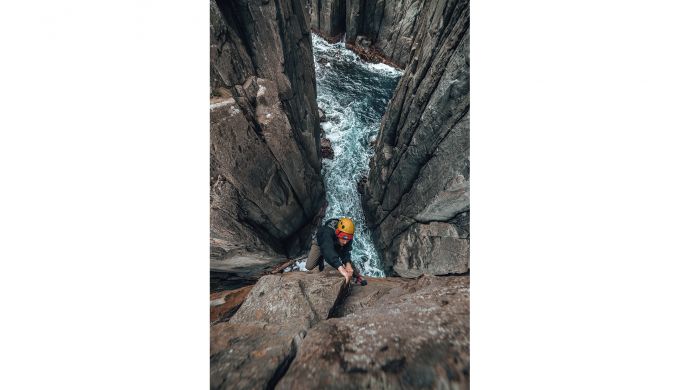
<point x="331" y="250"/>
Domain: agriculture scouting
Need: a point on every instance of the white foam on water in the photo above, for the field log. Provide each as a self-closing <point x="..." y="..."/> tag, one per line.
<point x="353" y="94"/>
<point x="297" y="266"/>
<point x="385" y="69"/>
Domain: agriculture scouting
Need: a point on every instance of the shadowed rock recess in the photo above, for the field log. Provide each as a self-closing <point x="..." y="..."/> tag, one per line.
<point x="265" y="183"/>
<point x="307" y="331"/>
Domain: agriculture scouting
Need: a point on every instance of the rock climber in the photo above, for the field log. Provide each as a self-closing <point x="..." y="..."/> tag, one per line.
<point x="333" y="243"/>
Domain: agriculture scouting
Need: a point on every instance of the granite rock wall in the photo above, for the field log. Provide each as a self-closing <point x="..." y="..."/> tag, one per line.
<point x="417" y="196"/>
<point x="265" y="183"/>
<point x="378" y="30"/>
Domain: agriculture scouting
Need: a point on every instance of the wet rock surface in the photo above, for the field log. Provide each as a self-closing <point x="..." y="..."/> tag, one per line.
<point x="327" y="149"/>
<point x="371" y="54"/>
<point x="305" y="330"/>
<point x="361" y="185"/>
<point x="419" y="178"/>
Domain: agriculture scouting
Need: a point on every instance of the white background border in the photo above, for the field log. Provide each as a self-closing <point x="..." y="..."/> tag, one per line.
<point x="104" y="158"/>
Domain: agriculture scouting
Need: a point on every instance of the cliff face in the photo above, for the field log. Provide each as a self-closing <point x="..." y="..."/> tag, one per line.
<point x="327" y="18"/>
<point x="417" y="194"/>
<point x="385" y="27"/>
<point x="266" y="187"/>
<point x="378" y="30"/>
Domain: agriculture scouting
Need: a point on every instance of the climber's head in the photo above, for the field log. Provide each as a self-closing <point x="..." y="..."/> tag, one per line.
<point x="345" y="231"/>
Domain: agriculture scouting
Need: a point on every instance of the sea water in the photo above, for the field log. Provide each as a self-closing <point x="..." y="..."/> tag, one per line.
<point x="354" y="95"/>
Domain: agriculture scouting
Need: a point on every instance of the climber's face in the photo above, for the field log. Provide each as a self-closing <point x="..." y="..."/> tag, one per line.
<point x="343" y="237"/>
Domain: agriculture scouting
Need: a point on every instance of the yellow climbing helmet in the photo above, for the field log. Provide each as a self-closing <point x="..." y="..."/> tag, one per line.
<point x="345" y="229"/>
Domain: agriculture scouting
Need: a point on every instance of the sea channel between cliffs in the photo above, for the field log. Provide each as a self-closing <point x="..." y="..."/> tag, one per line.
<point x="354" y="95"/>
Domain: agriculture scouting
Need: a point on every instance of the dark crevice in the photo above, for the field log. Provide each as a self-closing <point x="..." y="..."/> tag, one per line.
<point x="343" y="12"/>
<point x="317" y="317"/>
<point x="450" y="27"/>
<point x="290" y="103"/>
<point x="318" y="14"/>
<point x="230" y="12"/>
<point x="260" y="232"/>
<point x="362" y="22"/>
<point x="258" y="129"/>
<point x="377" y="34"/>
<point x="399" y="233"/>
<point x="283" y="366"/>
<point x="282" y="369"/>
<point x="310" y="227"/>
<point x="265" y="235"/>
<point x="344" y="293"/>
<point x="227" y="316"/>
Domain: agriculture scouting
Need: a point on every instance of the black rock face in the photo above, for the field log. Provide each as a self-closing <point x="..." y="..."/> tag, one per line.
<point x="327" y="18"/>
<point x="378" y="30"/>
<point x="387" y="27"/>
<point x="417" y="196"/>
<point x="327" y="149"/>
<point x="265" y="162"/>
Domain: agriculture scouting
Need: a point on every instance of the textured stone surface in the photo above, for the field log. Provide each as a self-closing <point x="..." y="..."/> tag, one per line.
<point x="301" y="330"/>
<point x="253" y="350"/>
<point x="378" y="30"/>
<point x="241" y="270"/>
<point x="266" y="187"/>
<point x="434" y="249"/>
<point x="410" y="335"/>
<point x="327" y="149"/>
<point x="420" y="172"/>
<point x="224" y="304"/>
<point x="389" y="28"/>
<point x="251" y="356"/>
<point x="327" y="18"/>
<point x="293" y="298"/>
<point x="362" y="297"/>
